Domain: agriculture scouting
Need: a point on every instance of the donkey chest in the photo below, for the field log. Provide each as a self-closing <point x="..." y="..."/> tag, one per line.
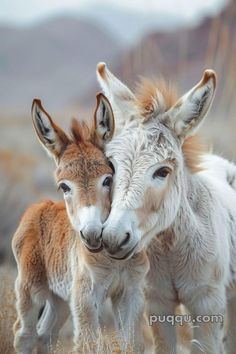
<point x="179" y="275"/>
<point x="121" y="279"/>
<point x="61" y="285"/>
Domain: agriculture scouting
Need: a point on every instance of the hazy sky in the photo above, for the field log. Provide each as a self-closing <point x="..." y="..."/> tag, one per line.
<point x="26" y="11"/>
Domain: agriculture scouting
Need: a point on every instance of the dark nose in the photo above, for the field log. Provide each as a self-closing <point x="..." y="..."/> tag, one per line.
<point x="114" y="248"/>
<point x="126" y="240"/>
<point x="92" y="239"/>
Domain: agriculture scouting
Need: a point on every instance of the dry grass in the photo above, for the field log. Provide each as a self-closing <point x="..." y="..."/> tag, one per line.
<point x="7" y="313"/>
<point x="105" y="343"/>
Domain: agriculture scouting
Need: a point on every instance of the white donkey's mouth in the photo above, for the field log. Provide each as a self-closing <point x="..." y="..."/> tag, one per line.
<point x="127" y="255"/>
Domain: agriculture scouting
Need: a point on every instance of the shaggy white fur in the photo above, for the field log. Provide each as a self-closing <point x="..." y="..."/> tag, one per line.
<point x="186" y="221"/>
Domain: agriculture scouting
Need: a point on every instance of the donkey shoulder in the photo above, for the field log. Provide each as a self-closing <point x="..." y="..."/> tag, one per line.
<point x="35" y="225"/>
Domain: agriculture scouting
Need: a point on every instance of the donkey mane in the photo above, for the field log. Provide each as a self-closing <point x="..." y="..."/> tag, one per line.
<point x="193" y="150"/>
<point x="157" y="96"/>
<point x="80" y="132"/>
<point x="154" y="96"/>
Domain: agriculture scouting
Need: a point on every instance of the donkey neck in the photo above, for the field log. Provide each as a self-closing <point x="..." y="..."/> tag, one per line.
<point x="193" y="223"/>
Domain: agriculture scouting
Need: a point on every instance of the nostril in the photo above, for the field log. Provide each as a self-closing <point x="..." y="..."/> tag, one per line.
<point x="105" y="244"/>
<point x="82" y="235"/>
<point x="99" y="237"/>
<point x="126" y="240"/>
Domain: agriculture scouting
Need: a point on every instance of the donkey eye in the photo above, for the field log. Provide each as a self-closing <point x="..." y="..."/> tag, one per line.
<point x="65" y="187"/>
<point x="161" y="172"/>
<point x="107" y="182"/>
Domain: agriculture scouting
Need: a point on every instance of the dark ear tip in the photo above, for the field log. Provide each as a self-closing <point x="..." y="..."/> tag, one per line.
<point x="101" y="98"/>
<point x="208" y="75"/>
<point x="100" y="95"/>
<point x="36" y="103"/>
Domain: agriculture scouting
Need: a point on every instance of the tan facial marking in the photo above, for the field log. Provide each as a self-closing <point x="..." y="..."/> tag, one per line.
<point x="208" y="74"/>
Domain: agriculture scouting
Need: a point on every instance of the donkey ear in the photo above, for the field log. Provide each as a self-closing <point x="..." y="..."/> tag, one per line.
<point x="121" y="97"/>
<point x="187" y="114"/>
<point x="52" y="137"/>
<point x="103" y="120"/>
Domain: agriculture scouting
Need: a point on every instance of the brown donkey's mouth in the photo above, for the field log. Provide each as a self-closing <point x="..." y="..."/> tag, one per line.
<point x="94" y="250"/>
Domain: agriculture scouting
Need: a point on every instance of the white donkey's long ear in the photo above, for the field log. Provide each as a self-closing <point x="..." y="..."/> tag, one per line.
<point x="120" y="96"/>
<point x="187" y="114"/>
<point x="103" y="120"/>
<point x="51" y="136"/>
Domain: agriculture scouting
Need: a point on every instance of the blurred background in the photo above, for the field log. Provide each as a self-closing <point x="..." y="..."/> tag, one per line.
<point x="49" y="49"/>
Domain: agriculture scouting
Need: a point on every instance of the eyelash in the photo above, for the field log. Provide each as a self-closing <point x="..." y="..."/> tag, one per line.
<point x="64" y="187"/>
<point x="161" y="172"/>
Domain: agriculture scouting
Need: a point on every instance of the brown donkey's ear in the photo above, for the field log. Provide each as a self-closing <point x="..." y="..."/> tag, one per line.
<point x="103" y="120"/>
<point x="52" y="137"/>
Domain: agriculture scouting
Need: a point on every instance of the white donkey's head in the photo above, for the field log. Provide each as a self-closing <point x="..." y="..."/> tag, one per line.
<point x="151" y="155"/>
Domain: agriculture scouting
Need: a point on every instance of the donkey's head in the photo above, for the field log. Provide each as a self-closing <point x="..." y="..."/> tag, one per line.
<point x="83" y="173"/>
<point x="151" y="155"/>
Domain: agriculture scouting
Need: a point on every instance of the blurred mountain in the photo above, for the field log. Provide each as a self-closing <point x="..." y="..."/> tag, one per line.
<point x="180" y="56"/>
<point x="132" y="22"/>
<point x="54" y="60"/>
<point x="183" y="54"/>
<point x="131" y="25"/>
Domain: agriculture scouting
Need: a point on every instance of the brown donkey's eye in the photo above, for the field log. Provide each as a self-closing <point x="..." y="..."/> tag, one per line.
<point x="107" y="182"/>
<point x="161" y="172"/>
<point x="64" y="187"/>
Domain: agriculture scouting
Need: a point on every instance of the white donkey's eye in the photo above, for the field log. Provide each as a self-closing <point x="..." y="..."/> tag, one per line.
<point x="63" y="186"/>
<point x="161" y="172"/>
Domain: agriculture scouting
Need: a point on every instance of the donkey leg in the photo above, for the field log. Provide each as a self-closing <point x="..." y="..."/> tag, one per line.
<point x="27" y="316"/>
<point x="208" y="338"/>
<point x="231" y="326"/>
<point x="53" y="318"/>
<point x="128" y="311"/>
<point x="148" y="337"/>
<point x="163" y="329"/>
<point x="85" y="315"/>
<point x="208" y="326"/>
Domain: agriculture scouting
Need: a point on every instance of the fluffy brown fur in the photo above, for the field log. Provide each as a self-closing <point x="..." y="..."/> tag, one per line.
<point x="193" y="149"/>
<point x="55" y="265"/>
<point x="154" y="96"/>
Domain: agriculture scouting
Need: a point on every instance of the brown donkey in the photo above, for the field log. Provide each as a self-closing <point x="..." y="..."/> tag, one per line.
<point x="57" y="244"/>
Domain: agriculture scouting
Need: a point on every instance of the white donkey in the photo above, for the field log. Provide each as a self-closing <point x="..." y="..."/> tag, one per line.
<point x="184" y="215"/>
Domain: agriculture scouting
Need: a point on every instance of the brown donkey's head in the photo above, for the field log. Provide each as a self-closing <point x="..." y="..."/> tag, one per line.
<point x="83" y="173"/>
